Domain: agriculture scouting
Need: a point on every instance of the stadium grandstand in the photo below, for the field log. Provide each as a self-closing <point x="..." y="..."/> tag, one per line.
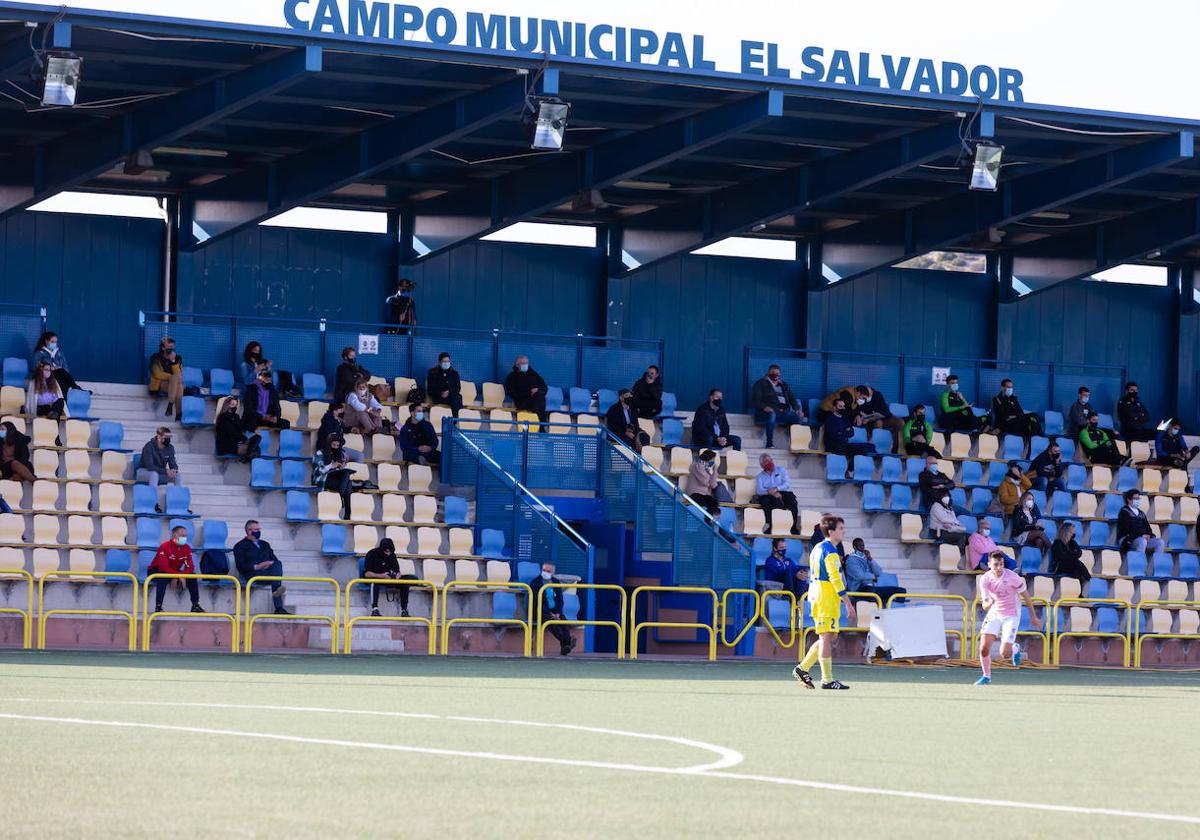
<point x="348" y="327"/>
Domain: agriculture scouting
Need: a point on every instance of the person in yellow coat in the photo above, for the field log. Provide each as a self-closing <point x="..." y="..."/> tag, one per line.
<point x="826" y="594"/>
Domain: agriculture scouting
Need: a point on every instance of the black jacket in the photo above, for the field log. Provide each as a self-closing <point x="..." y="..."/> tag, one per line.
<point x="438" y="380"/>
<point x="932" y="486"/>
<point x="228" y="433"/>
<point x="1130" y="526"/>
<point x="1023" y="520"/>
<point x="1063" y="555"/>
<point x="704" y="418"/>
<point x="647" y="397"/>
<point x="1131" y="414"/>
<point x="246" y="556"/>
<point x="1006" y="409"/>
<point x="554" y="597"/>
<point x="346" y="378"/>
<point x="877" y="404"/>
<point x="380" y="562"/>
<point x="250" y="413"/>
<point x="404" y="309"/>
<point x="1043" y="467"/>
<point x="518" y="385"/>
<point x="330" y="427"/>
<point x="614" y="420"/>
<point x="762" y="395"/>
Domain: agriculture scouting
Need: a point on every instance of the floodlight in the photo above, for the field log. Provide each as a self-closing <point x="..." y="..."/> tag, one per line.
<point x="986" y="170"/>
<point x="62" y="72"/>
<point x="550" y="124"/>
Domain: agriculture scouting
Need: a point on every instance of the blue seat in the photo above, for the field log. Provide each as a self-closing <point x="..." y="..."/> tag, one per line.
<point x="333" y="539"/>
<point x="220" y="382"/>
<point x="1106" y="421"/>
<point x="581" y="400"/>
<point x="1013" y="448"/>
<point x="1052" y="529"/>
<point x="192" y="415"/>
<point x="79" y="404"/>
<point x="902" y="499"/>
<point x="291" y="444"/>
<point x="1039" y="498"/>
<point x="554" y="398"/>
<point x="1112" y="505"/>
<point x="888" y="579"/>
<point x="835" y="468"/>
<point x="981" y="497"/>
<point x="1052" y="422"/>
<point x="193" y="377"/>
<point x="1135" y="564"/>
<point x="760" y="550"/>
<point x="1189" y="566"/>
<point x="858" y="435"/>
<point x="672" y="432"/>
<point x="890" y="469"/>
<point x="145" y="558"/>
<point x="997" y="526"/>
<point x="111" y="435"/>
<point x="864" y="468"/>
<point x="1026" y="624"/>
<point x="606" y="398"/>
<point x="1097" y="588"/>
<point x="455" y="509"/>
<point x="728" y="519"/>
<point x="148" y="531"/>
<point x="912" y="469"/>
<point x="262" y="474"/>
<point x="313" y="386"/>
<point x="145" y="498"/>
<point x="669" y="404"/>
<point x="898" y="410"/>
<point x="296" y="475"/>
<point x="527" y="570"/>
<point x="16" y="371"/>
<point x="958" y="499"/>
<point x="972" y="474"/>
<point x="1127" y="479"/>
<point x="492" y="543"/>
<point x="1061" y="503"/>
<point x="882" y="438"/>
<point x="299" y="506"/>
<point x="779" y="613"/>
<point x="1108" y="620"/>
<point x="1161" y="565"/>
<point x="970" y="523"/>
<point x="996" y="472"/>
<point x="178" y="500"/>
<point x="570" y="606"/>
<point x="1177" y="537"/>
<point x="1098" y="535"/>
<point x="1031" y="560"/>
<point x="1076" y="477"/>
<point x="189" y="524"/>
<point x="216" y="535"/>
<point x="118" y="560"/>
<point x="873" y="498"/>
<point x="1067" y="445"/>
<point x="1037" y="445"/>
<point x="814" y="403"/>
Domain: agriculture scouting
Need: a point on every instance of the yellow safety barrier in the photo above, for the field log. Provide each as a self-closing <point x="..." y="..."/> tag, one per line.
<point x="1141" y="637"/>
<point x="725" y="614"/>
<point x="235" y="619"/>
<point x="764" y="613"/>
<point x="332" y="621"/>
<point x="44" y="614"/>
<point x="1043" y="634"/>
<point x="1125" y="637"/>
<point x="431" y="622"/>
<point x="700" y="590"/>
<point x="960" y="634"/>
<point x="619" y="626"/>
<point x="27" y="613"/>
<point x="805" y="630"/>
<point x="514" y="586"/>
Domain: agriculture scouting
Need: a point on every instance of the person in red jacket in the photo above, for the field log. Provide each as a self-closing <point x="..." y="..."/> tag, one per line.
<point x="174" y="557"/>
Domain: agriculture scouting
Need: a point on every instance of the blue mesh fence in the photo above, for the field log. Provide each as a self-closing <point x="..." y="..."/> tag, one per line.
<point x="21" y="325"/>
<point x="294" y="346"/>
<point x="203" y="341"/>
<point x="617" y="364"/>
<point x="555" y="358"/>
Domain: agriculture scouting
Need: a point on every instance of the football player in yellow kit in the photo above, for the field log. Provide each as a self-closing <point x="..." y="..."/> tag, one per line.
<point x="826" y="594"/>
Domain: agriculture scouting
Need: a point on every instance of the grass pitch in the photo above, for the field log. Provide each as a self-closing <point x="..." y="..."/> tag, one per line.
<point x="454" y="752"/>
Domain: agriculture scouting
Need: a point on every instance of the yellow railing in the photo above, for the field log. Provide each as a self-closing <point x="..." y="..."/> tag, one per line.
<point x="511" y="586"/>
<point x="1043" y="634"/>
<point x="27" y="613"/>
<point x="250" y="618"/>
<point x="725" y="615"/>
<point x="1125" y="637"/>
<point x="619" y="626"/>
<point x="764" y="614"/>
<point x="44" y="614"/>
<point x="1140" y="637"/>
<point x="699" y="590"/>
<point x="431" y="622"/>
<point x="805" y="629"/>
<point x="234" y="618"/>
<point x="961" y="635"/>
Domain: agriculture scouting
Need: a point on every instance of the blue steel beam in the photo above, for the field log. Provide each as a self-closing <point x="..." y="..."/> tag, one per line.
<point x="678" y="228"/>
<point x="224" y="207"/>
<point x="444" y="222"/>
<point x="871" y="245"/>
<point x="1082" y="253"/>
<point x="71" y="160"/>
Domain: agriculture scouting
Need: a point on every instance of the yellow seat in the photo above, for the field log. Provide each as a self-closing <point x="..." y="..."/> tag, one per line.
<point x="80" y="530"/>
<point x="355" y="441"/>
<point x="949" y="559"/>
<point x="401" y="385"/>
<point x="1162" y="509"/>
<point x="14" y="558"/>
<point x="317" y="410"/>
<point x="394" y="508"/>
<point x="1080" y="620"/>
<point x="493" y="395"/>
<point x="389" y="476"/>
<point x="938" y="442"/>
<point x="647" y="426"/>
<point x="960" y="446"/>
<point x="469" y="418"/>
<point x="754" y="522"/>
<point x="114" y="466"/>
<point x="559" y="417"/>
<point x="420" y="478"/>
<point x="466" y="570"/>
<point x="653" y="455"/>
<point x="527" y="421"/>
<point x="947" y="467"/>
<point x="429" y="541"/>
<point x="13" y="492"/>
<point x="400" y="536"/>
<point x="1123" y="589"/>
<point x="114" y="530"/>
<point x="45" y="529"/>
<point x="781" y="521"/>
<point x="462" y="542"/>
<point x="735" y="463"/>
<point x="45" y="560"/>
<point x="434" y="571"/>
<point x="809" y="520"/>
<point x="801" y="438"/>
<point x="1101" y="479"/>
<point x="45" y="463"/>
<point x="359" y="471"/>
<point x="470" y="394"/>
<point x="1110" y="563"/>
<point x="743" y="490"/>
<point x="500" y="420"/>
<point x="1189" y="509"/>
<point x="1149" y="590"/>
<point x="1068" y="588"/>
<point x="424" y="509"/>
<point x="289" y="411"/>
<point x="79" y="495"/>
<point x="362" y="507"/>
<point x="497" y="570"/>
<point x="402" y="412"/>
<point x="79" y="434"/>
<point x="366" y="537"/>
<point x="1160" y="620"/>
<point x="1043" y="587"/>
<point x="12" y="400"/>
<point x="911" y="527"/>
<point x="1085" y="505"/>
<point x="45" y="495"/>
<point x="12" y="528"/>
<point x="437" y="414"/>
<point x="45" y="432"/>
<point x="1177" y="482"/>
<point x="680" y="460"/>
<point x="407" y="565"/>
<point x="77" y="465"/>
<point x="329" y="506"/>
<point x="82" y="560"/>
<point x="1176" y="590"/>
<point x="989" y="445"/>
<point x="1189" y="622"/>
<point x="1139" y="451"/>
<point x="1088" y="559"/>
<point x="1151" y="480"/>
<point x="586" y="420"/>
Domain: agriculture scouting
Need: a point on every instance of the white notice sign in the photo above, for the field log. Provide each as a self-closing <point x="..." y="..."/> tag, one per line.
<point x="368" y="345"/>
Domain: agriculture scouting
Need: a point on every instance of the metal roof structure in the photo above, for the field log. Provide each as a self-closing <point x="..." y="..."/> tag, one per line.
<point x="243" y="125"/>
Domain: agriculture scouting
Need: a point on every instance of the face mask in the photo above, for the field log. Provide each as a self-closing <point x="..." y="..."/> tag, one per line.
<point x="351" y="360"/>
<point x="3" y="433"/>
<point x="933" y="468"/>
<point x="769" y="466"/>
<point x="716" y="403"/>
<point x="51" y="346"/>
<point x="946" y="500"/>
<point x="1008" y="392"/>
<point x="523" y="368"/>
<point x="362" y="392"/>
<point x="954" y="387"/>
<point x="1028" y="503"/>
<point x="1133" y="394"/>
<point x="418" y="416"/>
<point x="1084" y="399"/>
<point x="404" y="294"/>
<point x="920" y="418"/>
<point x="862" y="400"/>
<point x="774" y="377"/>
<point x="1134" y="502"/>
<point x="546" y="575"/>
<point x="985" y="531"/>
<point x="181" y="540"/>
<point x="255" y="534"/>
<point x="444" y="365"/>
<point x="167" y="440"/>
<point x="1174" y="432"/>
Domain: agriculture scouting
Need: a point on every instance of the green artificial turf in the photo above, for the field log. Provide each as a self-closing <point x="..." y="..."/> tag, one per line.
<point x="1104" y="739"/>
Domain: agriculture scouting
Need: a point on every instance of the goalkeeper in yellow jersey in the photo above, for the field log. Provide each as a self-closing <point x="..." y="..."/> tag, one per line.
<point x="826" y="594"/>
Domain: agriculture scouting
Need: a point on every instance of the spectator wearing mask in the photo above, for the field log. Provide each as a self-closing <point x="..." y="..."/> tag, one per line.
<point x="1009" y="418"/>
<point x="1047" y="469"/>
<point x="773" y="490"/>
<point x="43" y="397"/>
<point x="1133" y="528"/>
<point x="403" y="307"/>
<point x="622" y="420"/>
<point x="231" y="436"/>
<point x="329" y="472"/>
<point x="1098" y="444"/>
<point x="944" y="524"/>
<point x="1027" y="526"/>
<point x="917" y="433"/>
<point x="158" y="464"/>
<point x="254" y="557"/>
<point x="348" y="374"/>
<point x="774" y="404"/>
<point x="980" y="546"/>
<point x="710" y="425"/>
<point x="837" y="431"/>
<point x="174" y="557"/>
<point x="1079" y="412"/>
<point x="1170" y="451"/>
<point x="648" y="393"/>
<point x="15" y="463"/>
<point x="1066" y="556"/>
<point x="863" y="573"/>
<point x="363" y="413"/>
<point x="932" y="482"/>
<point x="702" y="482"/>
<point x="48" y="351"/>
<point x="825" y="407"/>
<point x="443" y="385"/>
<point x="1014" y="484"/>
<point x="1134" y="417"/>
<point x="957" y="413"/>
<point x="417" y="438"/>
<point x="526" y="388"/>
<point x="782" y="569"/>
<point x="870" y="410"/>
<point x="381" y="562"/>
<point x="254" y="363"/>
<point x="166" y="375"/>
<point x="260" y="405"/>
<point x="332" y="426"/>
<point x="552" y="609"/>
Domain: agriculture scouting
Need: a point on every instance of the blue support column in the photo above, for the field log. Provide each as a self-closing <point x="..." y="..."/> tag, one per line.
<point x="1188" y="335"/>
<point x="814" y="297"/>
<point x="1000" y="270"/>
<point x="617" y="283"/>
